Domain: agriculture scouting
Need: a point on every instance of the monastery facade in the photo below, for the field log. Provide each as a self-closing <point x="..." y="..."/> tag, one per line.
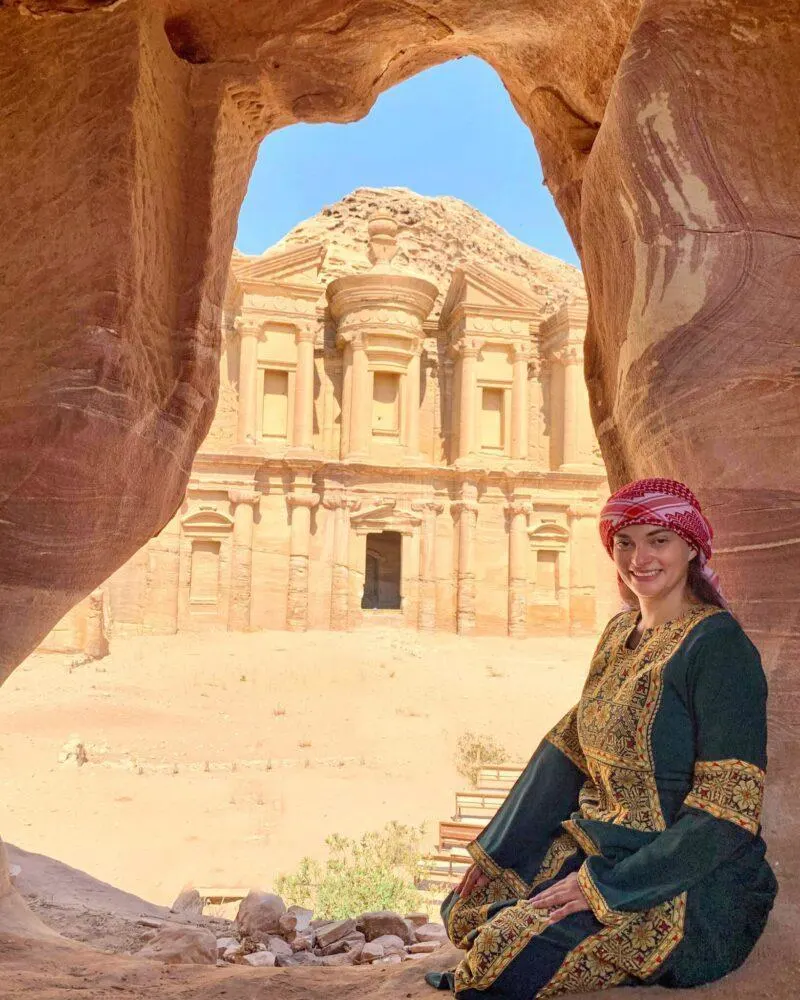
<point x="375" y="460"/>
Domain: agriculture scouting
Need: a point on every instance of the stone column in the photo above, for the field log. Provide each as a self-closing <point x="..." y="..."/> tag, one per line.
<point x="412" y="402"/>
<point x="347" y="401"/>
<point x="244" y="503"/>
<point x="535" y="403"/>
<point x="518" y="512"/>
<point x="342" y="508"/>
<point x="467" y="510"/>
<point x="429" y="509"/>
<point x="96" y="642"/>
<point x="572" y="359"/>
<point x="249" y="335"/>
<point x="360" y="416"/>
<point x="521" y="354"/>
<point x="469" y="386"/>
<point x="303" y="429"/>
<point x="300" y="507"/>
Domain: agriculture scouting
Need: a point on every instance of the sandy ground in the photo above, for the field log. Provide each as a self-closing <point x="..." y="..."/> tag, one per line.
<point x="221" y="759"/>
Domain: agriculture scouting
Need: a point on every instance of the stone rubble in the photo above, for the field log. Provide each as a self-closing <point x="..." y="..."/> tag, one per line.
<point x="265" y="934"/>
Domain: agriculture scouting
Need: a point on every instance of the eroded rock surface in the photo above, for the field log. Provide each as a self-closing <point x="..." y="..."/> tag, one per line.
<point x="128" y="132"/>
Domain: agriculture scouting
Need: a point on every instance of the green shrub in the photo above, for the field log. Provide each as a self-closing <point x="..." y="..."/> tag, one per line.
<point x="474" y="752"/>
<point x="374" y="873"/>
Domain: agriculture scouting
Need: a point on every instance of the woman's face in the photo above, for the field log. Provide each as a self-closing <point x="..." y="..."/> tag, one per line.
<point x="651" y="561"/>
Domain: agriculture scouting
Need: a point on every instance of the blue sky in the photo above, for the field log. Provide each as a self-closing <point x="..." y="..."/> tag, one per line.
<point x="451" y="130"/>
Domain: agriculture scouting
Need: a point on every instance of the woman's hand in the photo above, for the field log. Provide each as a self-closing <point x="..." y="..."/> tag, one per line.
<point x="561" y="899"/>
<point x="473" y="879"/>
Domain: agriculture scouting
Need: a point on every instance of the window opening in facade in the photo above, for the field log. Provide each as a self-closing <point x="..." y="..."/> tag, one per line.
<point x="492" y="419"/>
<point x="386" y="404"/>
<point x="275" y="413"/>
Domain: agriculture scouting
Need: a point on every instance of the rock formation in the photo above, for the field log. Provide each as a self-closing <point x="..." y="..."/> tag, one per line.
<point x="666" y="135"/>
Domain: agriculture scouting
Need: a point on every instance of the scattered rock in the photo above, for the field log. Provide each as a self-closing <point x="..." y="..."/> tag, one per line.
<point x="278" y="946"/>
<point x="423" y="947"/>
<point x="303" y="942"/>
<point x="73" y="750"/>
<point x="232" y="952"/>
<point x="223" y="943"/>
<point x="432" y="932"/>
<point x="349" y="943"/>
<point x="188" y="903"/>
<point x="333" y="931"/>
<point x="389" y="960"/>
<point x="259" y="914"/>
<point x="371" y="952"/>
<point x="300" y="958"/>
<point x="391" y="944"/>
<point x="179" y="944"/>
<point x="374" y="925"/>
<point x="297" y="919"/>
<point x="417" y="919"/>
<point x="260" y="959"/>
<point x="345" y="958"/>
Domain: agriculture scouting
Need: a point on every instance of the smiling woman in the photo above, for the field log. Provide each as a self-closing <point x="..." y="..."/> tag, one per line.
<point x="630" y="849"/>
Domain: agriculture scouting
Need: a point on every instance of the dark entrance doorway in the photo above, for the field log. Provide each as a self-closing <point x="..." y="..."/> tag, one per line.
<point x="382" y="573"/>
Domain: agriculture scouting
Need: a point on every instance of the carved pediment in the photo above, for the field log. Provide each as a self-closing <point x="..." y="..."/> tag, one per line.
<point x="297" y="268"/>
<point x="206" y="522"/>
<point x="484" y="290"/>
<point x="385" y="516"/>
<point x="548" y="535"/>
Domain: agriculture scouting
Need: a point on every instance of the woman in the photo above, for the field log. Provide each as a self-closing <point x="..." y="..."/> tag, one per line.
<point x="629" y="850"/>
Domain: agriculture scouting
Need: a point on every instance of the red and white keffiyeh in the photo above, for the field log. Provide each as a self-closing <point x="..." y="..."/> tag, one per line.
<point x="664" y="503"/>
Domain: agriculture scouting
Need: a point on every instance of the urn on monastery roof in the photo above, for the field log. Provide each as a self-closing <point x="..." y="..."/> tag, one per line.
<point x="384" y="297"/>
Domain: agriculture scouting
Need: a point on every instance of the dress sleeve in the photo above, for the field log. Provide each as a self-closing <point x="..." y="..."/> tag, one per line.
<point x="726" y="694"/>
<point x="515" y="843"/>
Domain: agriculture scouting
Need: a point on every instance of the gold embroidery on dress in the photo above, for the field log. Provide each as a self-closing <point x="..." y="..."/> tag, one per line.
<point x="728" y="789"/>
<point x="498" y="943"/>
<point x="564" y="737"/>
<point x="637" y="947"/>
<point x="615" y="718"/>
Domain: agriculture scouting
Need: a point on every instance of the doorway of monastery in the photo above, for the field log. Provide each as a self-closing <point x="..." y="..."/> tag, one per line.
<point x="383" y="575"/>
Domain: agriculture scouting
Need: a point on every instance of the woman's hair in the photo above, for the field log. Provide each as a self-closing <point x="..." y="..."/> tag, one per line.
<point x="699" y="587"/>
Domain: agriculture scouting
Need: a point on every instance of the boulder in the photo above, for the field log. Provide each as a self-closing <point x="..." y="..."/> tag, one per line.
<point x="296" y="920"/>
<point x="259" y="959"/>
<point x="278" y="946"/>
<point x="333" y="931"/>
<point x="299" y="958"/>
<point x="431" y="932"/>
<point x="232" y="952"/>
<point x="371" y="952"/>
<point x="189" y="903"/>
<point x="391" y="944"/>
<point x="344" y="958"/>
<point x="389" y="960"/>
<point x="179" y="944"/>
<point x="259" y="914"/>
<point x="417" y="919"/>
<point x="423" y="947"/>
<point x="303" y="942"/>
<point x="223" y="943"/>
<point x="353" y="941"/>
<point x="374" y="925"/>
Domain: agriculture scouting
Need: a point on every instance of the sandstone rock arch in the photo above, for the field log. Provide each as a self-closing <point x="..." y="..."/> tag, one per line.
<point x="128" y="133"/>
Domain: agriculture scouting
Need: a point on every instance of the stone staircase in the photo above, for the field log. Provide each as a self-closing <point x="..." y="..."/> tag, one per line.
<point x="473" y="810"/>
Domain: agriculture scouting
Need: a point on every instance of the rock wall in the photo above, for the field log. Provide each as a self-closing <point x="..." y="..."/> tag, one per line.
<point x="128" y="133"/>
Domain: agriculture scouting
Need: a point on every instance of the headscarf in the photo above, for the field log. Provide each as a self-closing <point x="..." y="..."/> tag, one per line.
<point x="664" y="503"/>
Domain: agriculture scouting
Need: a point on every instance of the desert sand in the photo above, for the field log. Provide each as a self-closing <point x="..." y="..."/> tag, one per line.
<point x="221" y="759"/>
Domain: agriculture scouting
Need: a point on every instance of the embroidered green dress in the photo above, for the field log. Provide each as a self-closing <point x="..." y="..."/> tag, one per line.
<point x="651" y="789"/>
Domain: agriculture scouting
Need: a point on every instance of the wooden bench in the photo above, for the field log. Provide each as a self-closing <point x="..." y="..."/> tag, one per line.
<point x="458" y="834"/>
<point x="501" y="777"/>
<point x="481" y="804"/>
